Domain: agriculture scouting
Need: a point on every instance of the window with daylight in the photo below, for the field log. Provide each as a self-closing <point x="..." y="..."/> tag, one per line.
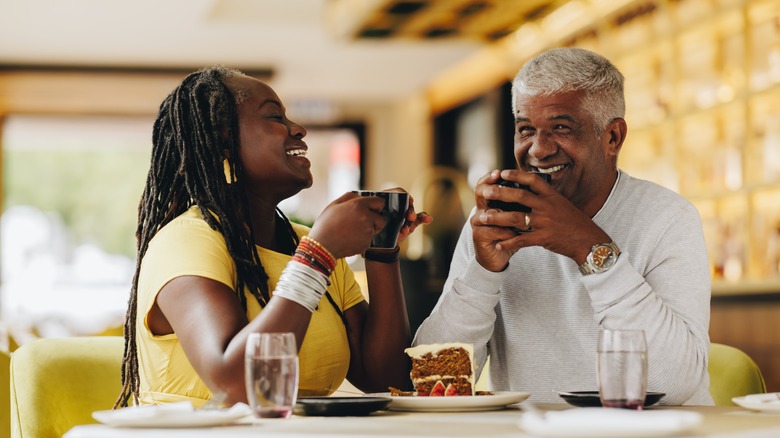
<point x="71" y="186"/>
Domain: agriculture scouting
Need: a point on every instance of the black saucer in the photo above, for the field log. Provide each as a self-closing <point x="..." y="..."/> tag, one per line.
<point x="591" y="398"/>
<point x="340" y="406"/>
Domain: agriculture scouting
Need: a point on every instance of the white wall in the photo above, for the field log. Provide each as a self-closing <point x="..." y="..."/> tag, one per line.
<point x="399" y="141"/>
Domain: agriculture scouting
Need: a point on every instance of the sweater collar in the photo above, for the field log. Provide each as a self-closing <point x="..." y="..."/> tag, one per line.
<point x="614" y="195"/>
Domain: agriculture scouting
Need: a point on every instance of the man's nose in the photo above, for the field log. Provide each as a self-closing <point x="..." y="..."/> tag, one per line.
<point x="543" y="146"/>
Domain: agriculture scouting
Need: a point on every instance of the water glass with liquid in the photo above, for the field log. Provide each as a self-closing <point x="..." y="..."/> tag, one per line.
<point x="622" y="368"/>
<point x="271" y="373"/>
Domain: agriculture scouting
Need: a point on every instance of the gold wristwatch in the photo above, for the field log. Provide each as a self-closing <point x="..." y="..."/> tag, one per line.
<point x="601" y="257"/>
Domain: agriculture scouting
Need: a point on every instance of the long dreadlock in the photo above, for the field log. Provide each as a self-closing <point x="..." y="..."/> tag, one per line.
<point x="195" y="124"/>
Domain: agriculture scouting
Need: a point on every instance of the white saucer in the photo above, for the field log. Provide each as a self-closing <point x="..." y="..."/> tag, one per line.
<point x="769" y="402"/>
<point x="171" y="415"/>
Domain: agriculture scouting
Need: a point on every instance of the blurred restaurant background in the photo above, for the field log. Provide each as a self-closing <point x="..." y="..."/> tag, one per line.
<point x="411" y="93"/>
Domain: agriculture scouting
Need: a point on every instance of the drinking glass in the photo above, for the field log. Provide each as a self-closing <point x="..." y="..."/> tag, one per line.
<point x="271" y="372"/>
<point x="622" y="368"/>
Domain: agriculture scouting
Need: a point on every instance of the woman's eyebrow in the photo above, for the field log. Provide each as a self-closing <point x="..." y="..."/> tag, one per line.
<point x="271" y="102"/>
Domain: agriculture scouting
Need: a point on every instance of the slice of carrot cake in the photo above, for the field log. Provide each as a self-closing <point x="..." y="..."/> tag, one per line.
<point x="442" y="369"/>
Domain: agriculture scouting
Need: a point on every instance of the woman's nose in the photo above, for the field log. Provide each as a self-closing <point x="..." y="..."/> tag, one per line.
<point x="296" y="130"/>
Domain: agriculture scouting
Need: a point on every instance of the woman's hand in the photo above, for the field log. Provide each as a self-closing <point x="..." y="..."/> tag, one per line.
<point x="413" y="220"/>
<point x="346" y="226"/>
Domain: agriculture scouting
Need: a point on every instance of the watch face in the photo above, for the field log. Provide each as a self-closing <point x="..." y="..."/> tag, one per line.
<point x="602" y="256"/>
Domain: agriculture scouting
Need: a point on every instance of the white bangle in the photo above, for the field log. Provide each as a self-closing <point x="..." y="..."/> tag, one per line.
<point x="302" y="284"/>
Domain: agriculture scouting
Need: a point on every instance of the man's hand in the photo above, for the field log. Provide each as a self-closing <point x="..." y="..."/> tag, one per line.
<point x="555" y="223"/>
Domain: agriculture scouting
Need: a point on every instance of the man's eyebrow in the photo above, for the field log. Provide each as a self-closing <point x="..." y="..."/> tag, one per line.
<point x="563" y="117"/>
<point x="555" y="117"/>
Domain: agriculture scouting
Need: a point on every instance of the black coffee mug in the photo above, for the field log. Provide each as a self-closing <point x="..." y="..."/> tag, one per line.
<point x="394" y="212"/>
<point x="515" y="206"/>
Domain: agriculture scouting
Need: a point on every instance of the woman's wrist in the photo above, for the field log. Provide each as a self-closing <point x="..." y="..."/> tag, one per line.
<point x="306" y="277"/>
<point x="312" y="253"/>
<point x="383" y="256"/>
<point x="303" y="284"/>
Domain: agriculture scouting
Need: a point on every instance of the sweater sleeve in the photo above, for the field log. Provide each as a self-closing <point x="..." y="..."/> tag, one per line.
<point x="669" y="299"/>
<point x="466" y="310"/>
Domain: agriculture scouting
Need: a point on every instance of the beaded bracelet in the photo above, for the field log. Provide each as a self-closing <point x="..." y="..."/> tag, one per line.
<point x="311" y="253"/>
<point x="383" y="257"/>
<point x="318" y="245"/>
<point x="313" y="263"/>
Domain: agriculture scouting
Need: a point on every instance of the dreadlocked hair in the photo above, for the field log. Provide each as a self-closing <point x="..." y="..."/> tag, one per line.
<point x="195" y="124"/>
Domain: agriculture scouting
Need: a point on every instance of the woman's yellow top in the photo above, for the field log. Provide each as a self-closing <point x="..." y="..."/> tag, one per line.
<point x="188" y="246"/>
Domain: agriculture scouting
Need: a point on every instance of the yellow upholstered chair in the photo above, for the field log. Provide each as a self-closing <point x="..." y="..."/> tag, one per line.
<point x="732" y="374"/>
<point x="56" y="383"/>
<point x="5" y="394"/>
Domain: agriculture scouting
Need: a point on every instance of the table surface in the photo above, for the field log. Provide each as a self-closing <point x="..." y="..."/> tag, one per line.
<point x="719" y="421"/>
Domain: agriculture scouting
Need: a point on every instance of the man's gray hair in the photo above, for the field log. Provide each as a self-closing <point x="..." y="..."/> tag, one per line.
<point x="572" y="69"/>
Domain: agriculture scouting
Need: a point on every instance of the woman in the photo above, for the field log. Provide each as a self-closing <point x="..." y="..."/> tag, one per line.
<point x="212" y="246"/>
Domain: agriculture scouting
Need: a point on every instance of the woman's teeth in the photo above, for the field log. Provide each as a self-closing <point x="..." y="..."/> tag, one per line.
<point x="297" y="152"/>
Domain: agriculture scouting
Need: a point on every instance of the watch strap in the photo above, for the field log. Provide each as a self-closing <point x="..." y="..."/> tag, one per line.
<point x="383" y="256"/>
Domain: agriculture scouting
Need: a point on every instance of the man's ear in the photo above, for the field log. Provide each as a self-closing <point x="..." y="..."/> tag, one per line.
<point x="615" y="135"/>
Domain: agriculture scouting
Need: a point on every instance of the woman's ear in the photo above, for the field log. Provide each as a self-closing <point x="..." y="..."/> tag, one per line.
<point x="223" y="136"/>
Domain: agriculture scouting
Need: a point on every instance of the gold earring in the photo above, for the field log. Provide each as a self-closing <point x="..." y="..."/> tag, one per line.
<point x="226" y="168"/>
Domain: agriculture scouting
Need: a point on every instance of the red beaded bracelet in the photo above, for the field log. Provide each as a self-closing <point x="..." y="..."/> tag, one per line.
<point x="311" y="253"/>
<point x="319" y="246"/>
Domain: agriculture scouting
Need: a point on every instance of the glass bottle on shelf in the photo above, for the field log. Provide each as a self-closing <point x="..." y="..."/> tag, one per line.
<point x="763" y="155"/>
<point x="764" y="28"/>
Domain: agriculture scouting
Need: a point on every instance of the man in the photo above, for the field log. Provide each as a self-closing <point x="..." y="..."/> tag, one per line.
<point x="599" y="249"/>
